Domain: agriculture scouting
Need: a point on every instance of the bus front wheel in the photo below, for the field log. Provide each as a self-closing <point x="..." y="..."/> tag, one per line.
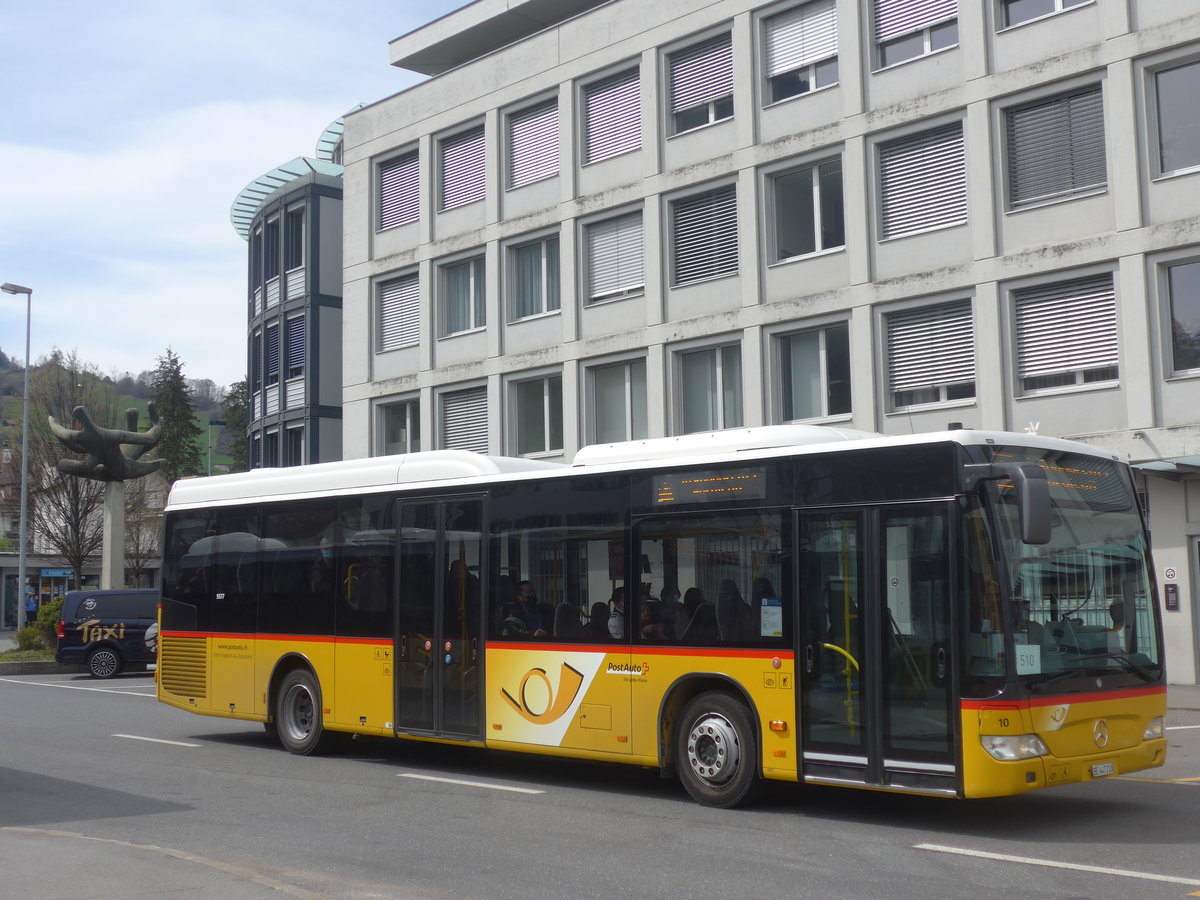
<point x="715" y="751"/>
<point x="298" y="714"/>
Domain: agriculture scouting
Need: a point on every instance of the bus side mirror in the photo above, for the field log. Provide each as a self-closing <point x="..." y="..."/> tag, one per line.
<point x="1033" y="494"/>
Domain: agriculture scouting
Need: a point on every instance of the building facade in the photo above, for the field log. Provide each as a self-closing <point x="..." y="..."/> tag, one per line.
<point x="291" y="218"/>
<point x="618" y="220"/>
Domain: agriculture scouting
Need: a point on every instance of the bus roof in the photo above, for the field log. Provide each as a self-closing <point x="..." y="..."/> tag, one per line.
<point x="440" y="466"/>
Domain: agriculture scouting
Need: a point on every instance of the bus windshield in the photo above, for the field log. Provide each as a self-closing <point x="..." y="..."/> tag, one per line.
<point x="1081" y="611"/>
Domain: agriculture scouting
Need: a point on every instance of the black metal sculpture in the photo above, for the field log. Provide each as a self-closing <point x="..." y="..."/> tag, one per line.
<point x="112" y="455"/>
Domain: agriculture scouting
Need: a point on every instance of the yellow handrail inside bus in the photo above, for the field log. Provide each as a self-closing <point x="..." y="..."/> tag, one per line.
<point x="836" y="649"/>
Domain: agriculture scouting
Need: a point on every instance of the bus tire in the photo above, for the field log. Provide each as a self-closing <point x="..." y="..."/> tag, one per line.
<point x="298" y="714"/>
<point x="715" y="751"/>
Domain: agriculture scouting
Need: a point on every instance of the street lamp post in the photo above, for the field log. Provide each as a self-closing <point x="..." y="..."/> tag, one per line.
<point x="24" y="528"/>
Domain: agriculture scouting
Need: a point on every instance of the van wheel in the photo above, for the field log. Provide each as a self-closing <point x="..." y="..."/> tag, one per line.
<point x="716" y="752"/>
<point x="104" y="662"/>
<point x="298" y="714"/>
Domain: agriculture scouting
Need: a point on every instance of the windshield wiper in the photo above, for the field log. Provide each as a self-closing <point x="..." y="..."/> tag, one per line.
<point x="1040" y="687"/>
<point x="1141" y="670"/>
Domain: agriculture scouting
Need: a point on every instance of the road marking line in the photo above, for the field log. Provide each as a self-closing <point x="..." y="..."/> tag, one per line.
<point x="1054" y="864"/>
<point x="138" y="737"/>
<point x="1154" y="780"/>
<point x="80" y="687"/>
<point x="1181" y="727"/>
<point x="480" y="784"/>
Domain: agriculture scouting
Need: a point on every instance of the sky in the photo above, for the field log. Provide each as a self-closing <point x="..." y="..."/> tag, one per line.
<point x="128" y="131"/>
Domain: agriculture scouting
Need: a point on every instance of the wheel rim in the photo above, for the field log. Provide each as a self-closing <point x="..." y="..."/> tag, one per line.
<point x="299" y="712"/>
<point x="104" y="663"/>
<point x="713" y="749"/>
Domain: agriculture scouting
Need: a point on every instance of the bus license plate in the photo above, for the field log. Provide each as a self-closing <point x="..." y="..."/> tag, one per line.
<point x="1099" y="770"/>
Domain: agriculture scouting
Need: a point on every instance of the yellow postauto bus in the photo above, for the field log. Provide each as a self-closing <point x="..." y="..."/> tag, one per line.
<point x="963" y="614"/>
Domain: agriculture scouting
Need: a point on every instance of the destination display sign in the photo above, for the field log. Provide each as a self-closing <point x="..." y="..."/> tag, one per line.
<point x="710" y="487"/>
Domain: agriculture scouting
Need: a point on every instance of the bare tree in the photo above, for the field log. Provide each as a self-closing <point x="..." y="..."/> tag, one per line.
<point x="144" y="502"/>
<point x="65" y="512"/>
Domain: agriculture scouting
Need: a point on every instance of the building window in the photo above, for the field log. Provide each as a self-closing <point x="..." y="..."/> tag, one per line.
<point x="923" y="182"/>
<point x="400" y="428"/>
<point x="463" y="298"/>
<point x="463" y="168"/>
<point x="815" y="373"/>
<point x="1056" y="147"/>
<point x="293" y="239"/>
<point x="710" y="389"/>
<point x="701" y="84"/>
<point x="295" y="346"/>
<point x="906" y="29"/>
<point x="399" y="191"/>
<point x="931" y="355"/>
<point x="256" y="453"/>
<point x="256" y="362"/>
<point x="399" y="310"/>
<point x="1066" y="333"/>
<point x="533" y="143"/>
<point x="293" y="449"/>
<point x="1014" y="12"/>
<point x="464" y="420"/>
<point x="619" y="402"/>
<point x="615" y="264"/>
<point x="272" y="354"/>
<point x="612" y="116"/>
<point x="808" y="209"/>
<point x="1177" y="105"/>
<point x="801" y="49"/>
<point x="539" y="415"/>
<point x="270" y="458"/>
<point x="256" y="259"/>
<point x="704" y="238"/>
<point x="533" y="276"/>
<point x="1183" y="287"/>
<point x="271" y="249"/>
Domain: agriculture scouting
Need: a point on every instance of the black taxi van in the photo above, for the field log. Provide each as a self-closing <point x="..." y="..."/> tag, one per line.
<point x="106" y="630"/>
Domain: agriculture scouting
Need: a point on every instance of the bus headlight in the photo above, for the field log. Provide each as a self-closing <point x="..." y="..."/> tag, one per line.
<point x="1009" y="747"/>
<point x="1156" y="729"/>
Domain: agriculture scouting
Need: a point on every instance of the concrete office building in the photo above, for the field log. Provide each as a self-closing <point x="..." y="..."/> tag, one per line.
<point x="602" y="221"/>
<point x="291" y="217"/>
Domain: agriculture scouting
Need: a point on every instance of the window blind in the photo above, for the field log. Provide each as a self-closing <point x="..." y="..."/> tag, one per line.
<point x="399" y="191"/>
<point x="612" y="116"/>
<point x="897" y="17"/>
<point x="464" y="420"/>
<point x="801" y="36"/>
<point x="702" y="73"/>
<point x="930" y="347"/>
<point x="295" y="343"/>
<point x="923" y="181"/>
<point x="1056" y="147"/>
<point x="399" y="313"/>
<point x="533" y="143"/>
<point x="463" y="168"/>
<point x="1066" y="327"/>
<point x="615" y="257"/>
<point x="704" y="235"/>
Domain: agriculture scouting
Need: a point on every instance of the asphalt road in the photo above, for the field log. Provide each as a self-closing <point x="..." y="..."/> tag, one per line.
<point x="105" y="793"/>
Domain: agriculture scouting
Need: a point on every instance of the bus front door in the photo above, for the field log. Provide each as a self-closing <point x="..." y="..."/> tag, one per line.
<point x="875" y="647"/>
<point x="438" y="640"/>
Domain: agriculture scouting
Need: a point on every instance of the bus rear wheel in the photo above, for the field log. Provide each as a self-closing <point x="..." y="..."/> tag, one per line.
<point x="715" y="751"/>
<point x="298" y="714"/>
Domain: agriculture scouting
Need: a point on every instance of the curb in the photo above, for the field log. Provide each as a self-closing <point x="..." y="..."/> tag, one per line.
<point x="39" y="668"/>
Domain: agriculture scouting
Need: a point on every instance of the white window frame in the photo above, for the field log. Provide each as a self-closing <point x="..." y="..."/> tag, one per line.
<point x="547" y="410"/>
<point x="397" y="328"/>
<point x="1066" y="329"/>
<point x="922" y="181"/>
<point x="704" y="235"/>
<point x="1156" y="136"/>
<point x="474" y="402"/>
<point x="1040" y="134"/>
<point x="700" y="81"/>
<point x="289" y="433"/>
<point x="894" y="21"/>
<point x="781" y="345"/>
<point x="610" y="116"/>
<point x="621" y="277"/>
<point x="476" y="300"/>
<point x="1060" y="6"/>
<point x="550" y="280"/>
<point x="721" y="415"/>
<point x="411" y="409"/>
<point x="462" y="168"/>
<point x="632" y="371"/>
<point x="290" y="217"/>
<point x="929" y="353"/>
<point x="778" y="209"/>
<point x="801" y="41"/>
<point x="531" y="142"/>
<point x="399" y="186"/>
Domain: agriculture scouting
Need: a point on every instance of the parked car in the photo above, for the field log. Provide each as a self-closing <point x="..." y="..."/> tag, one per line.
<point x="106" y="630"/>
